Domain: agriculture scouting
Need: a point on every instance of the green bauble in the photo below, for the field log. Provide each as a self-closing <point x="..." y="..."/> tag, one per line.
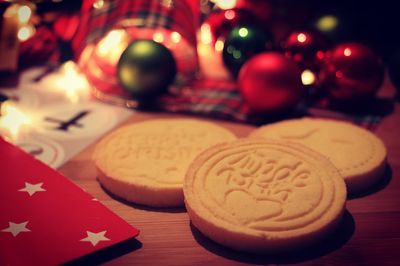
<point x="146" y="69"/>
<point x="241" y="44"/>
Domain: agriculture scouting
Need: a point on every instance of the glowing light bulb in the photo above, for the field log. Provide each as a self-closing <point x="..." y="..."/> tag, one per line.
<point x="25" y="32"/>
<point x="72" y="83"/>
<point x="176" y="37"/>
<point x="205" y="34"/>
<point x="301" y="37"/>
<point x="243" y="32"/>
<point x="225" y="4"/>
<point x="158" y="37"/>
<point x="98" y="4"/>
<point x="219" y="45"/>
<point x="13" y="120"/>
<point x="24" y="14"/>
<point x="229" y="14"/>
<point x="347" y="52"/>
<point x="307" y="77"/>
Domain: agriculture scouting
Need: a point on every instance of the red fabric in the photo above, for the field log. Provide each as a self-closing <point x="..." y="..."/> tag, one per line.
<point x="58" y="218"/>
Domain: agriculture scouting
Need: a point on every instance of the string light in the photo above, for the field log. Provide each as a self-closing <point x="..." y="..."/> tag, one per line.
<point x="301" y="37"/>
<point x="158" y="37"/>
<point x="25" y="32"/>
<point x="243" y="32"/>
<point x="307" y="77"/>
<point x="24" y="14"/>
<point x="219" y="45"/>
<point x="347" y="52"/>
<point x="176" y="37"/>
<point x="13" y="120"/>
<point x="98" y="4"/>
<point x="205" y="34"/>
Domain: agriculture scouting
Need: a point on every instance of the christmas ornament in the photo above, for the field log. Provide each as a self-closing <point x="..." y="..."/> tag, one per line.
<point x="306" y="48"/>
<point x="146" y="68"/>
<point x="270" y="83"/>
<point x="243" y="43"/>
<point x="351" y="71"/>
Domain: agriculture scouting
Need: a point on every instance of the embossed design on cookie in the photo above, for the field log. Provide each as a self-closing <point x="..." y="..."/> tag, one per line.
<point x="263" y="195"/>
<point x="252" y="179"/>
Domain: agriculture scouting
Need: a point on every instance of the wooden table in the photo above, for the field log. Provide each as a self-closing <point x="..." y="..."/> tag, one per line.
<point x="369" y="233"/>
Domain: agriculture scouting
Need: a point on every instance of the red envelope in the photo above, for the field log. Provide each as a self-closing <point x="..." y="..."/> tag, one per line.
<point x="45" y="219"/>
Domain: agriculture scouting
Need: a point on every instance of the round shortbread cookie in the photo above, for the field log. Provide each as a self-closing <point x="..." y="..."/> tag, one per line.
<point x="146" y="162"/>
<point x="263" y="195"/>
<point x="359" y="155"/>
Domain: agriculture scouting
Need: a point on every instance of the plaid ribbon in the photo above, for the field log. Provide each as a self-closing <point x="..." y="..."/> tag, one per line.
<point x="168" y="14"/>
<point x="221" y="99"/>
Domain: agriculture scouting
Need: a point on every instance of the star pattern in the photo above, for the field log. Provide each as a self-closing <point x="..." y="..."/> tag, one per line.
<point x="15" y="228"/>
<point x="32" y="188"/>
<point x="95" y="238"/>
<point x="45" y="219"/>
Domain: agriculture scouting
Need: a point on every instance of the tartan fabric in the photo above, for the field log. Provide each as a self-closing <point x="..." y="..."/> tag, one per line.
<point x="176" y="15"/>
<point x="221" y="99"/>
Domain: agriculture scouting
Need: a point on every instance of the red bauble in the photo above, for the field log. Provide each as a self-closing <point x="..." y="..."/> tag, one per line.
<point x="270" y="83"/>
<point x="306" y="48"/>
<point x="351" y="71"/>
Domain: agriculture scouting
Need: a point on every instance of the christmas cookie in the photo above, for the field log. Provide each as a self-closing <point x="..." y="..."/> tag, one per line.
<point x="359" y="155"/>
<point x="146" y="162"/>
<point x="263" y="195"/>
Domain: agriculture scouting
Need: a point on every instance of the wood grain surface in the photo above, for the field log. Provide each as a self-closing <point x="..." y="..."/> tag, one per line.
<point x="368" y="235"/>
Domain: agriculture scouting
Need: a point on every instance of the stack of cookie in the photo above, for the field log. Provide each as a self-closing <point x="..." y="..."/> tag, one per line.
<point x="282" y="188"/>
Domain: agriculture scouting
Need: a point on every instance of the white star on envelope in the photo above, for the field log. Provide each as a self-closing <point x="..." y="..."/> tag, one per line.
<point x="15" y="228"/>
<point x="32" y="188"/>
<point x="95" y="238"/>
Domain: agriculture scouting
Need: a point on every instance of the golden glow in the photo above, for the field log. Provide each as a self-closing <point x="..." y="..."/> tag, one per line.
<point x="327" y="23"/>
<point x="98" y="4"/>
<point x="175" y="37"/>
<point x="243" y="32"/>
<point x="229" y="14"/>
<point x="301" y="37"/>
<point x="109" y="42"/>
<point x="225" y="4"/>
<point x="158" y="37"/>
<point x="24" y="14"/>
<point x="73" y="84"/>
<point x="25" y="32"/>
<point x="307" y="77"/>
<point x="13" y="120"/>
<point x="219" y="45"/>
<point x="347" y="52"/>
<point x="205" y="34"/>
